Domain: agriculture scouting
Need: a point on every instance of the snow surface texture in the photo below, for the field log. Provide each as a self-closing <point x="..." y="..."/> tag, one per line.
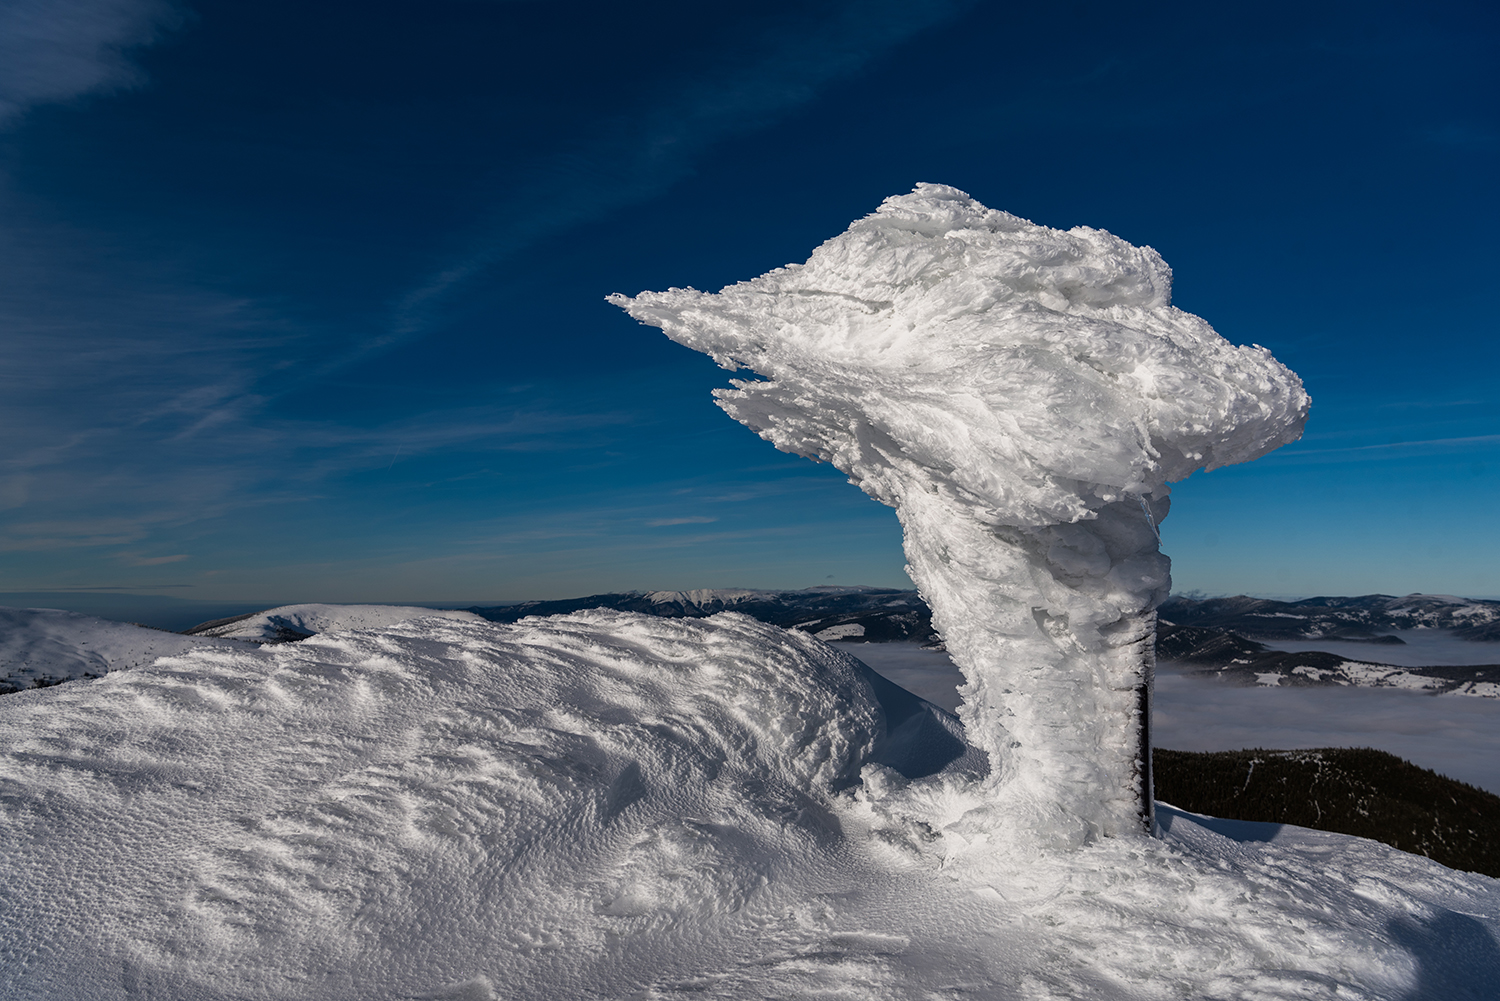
<point x="1021" y="396"/>
<point x="619" y="806"/>
<point x="46" y="646"/>
<point x="295" y="622"/>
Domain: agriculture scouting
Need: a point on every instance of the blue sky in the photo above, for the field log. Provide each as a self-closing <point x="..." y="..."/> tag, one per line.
<point x="304" y="301"/>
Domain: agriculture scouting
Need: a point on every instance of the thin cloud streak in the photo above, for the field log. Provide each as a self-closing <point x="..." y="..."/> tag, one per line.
<point x="137" y="560"/>
<point x="1425" y="444"/>
<point x="126" y="379"/>
<point x="56" y="50"/>
<point x="639" y="158"/>
<point x="249" y="464"/>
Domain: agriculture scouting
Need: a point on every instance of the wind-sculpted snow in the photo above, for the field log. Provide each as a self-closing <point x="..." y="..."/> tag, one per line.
<point x="240" y="822"/>
<point x="1022" y="396"/>
<point x="618" y="806"/>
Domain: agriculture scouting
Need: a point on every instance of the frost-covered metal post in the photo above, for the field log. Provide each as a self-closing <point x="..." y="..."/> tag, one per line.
<point x="1021" y="396"/>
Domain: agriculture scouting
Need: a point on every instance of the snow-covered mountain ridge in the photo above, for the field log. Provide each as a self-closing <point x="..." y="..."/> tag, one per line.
<point x="1199" y="632"/>
<point x="46" y="646"/>
<point x="1366" y="617"/>
<point x="290" y="623"/>
<point x="1231" y="657"/>
<point x="874" y="614"/>
<point x="1370" y="617"/>
<point x="42" y="646"/>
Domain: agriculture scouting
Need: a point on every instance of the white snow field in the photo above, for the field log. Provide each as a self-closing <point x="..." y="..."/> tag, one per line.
<point x="47" y="645"/>
<point x="1021" y="396"/>
<point x="614" y="805"/>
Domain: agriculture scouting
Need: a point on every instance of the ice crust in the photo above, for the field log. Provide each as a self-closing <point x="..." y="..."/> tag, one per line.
<point x="620" y="806"/>
<point x="1021" y="396"/>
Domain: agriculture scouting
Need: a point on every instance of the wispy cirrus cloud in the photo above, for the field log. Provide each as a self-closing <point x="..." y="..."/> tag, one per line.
<point x="72" y="533"/>
<point x="55" y="50"/>
<point x="1385" y="449"/>
<point x="137" y="383"/>
<point x="137" y="560"/>
<point x="637" y="157"/>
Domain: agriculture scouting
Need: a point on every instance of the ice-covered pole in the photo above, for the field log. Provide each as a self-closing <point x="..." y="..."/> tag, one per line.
<point x="1021" y="396"/>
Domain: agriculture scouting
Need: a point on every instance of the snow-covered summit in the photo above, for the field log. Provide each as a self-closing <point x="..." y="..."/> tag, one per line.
<point x="296" y="622"/>
<point x="45" y="646"/>
<point x="614" y="805"/>
<point x="1022" y="396"/>
<point x="706" y="599"/>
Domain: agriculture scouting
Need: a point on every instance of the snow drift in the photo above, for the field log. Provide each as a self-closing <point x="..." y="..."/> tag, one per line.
<point x="619" y="806"/>
<point x="1022" y="396"/>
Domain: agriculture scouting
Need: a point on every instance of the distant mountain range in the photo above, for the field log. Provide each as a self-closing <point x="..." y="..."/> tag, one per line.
<point x="1215" y="636"/>
<point x="884" y="614"/>
<point x="871" y="614"/>
<point x="1368" y="618"/>
<point x="1218" y="636"/>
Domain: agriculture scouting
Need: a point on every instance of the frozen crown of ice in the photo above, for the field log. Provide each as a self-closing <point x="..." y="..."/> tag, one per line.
<point x="973" y="339"/>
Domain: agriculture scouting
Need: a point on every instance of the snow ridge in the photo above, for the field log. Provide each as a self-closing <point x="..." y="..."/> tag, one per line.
<point x="45" y="646"/>
<point x="288" y="623"/>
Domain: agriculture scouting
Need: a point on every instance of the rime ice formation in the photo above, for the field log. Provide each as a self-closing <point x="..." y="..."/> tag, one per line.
<point x="1021" y="396"/>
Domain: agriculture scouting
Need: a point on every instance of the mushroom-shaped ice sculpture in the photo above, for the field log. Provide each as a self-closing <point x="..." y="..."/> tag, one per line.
<point x="1021" y="396"/>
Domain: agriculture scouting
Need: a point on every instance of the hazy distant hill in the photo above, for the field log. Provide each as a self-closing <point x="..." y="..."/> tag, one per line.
<point x="40" y="647"/>
<point x="290" y="623"/>
<point x="1368" y="618"/>
<point x="1211" y="634"/>
<point x="1216" y="636"/>
<point x="1233" y="657"/>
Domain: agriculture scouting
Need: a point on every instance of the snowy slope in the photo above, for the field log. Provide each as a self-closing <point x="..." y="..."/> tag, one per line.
<point x="46" y="646"/>
<point x="289" y="623"/>
<point x="614" y="805"/>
